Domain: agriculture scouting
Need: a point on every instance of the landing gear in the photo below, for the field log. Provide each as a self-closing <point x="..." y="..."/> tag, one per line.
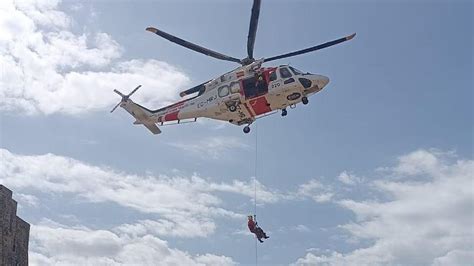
<point x="232" y="108"/>
<point x="246" y="129"/>
<point x="304" y="100"/>
<point x="283" y="112"/>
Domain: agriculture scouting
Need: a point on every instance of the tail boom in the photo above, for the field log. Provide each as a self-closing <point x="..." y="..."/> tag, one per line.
<point x="149" y="118"/>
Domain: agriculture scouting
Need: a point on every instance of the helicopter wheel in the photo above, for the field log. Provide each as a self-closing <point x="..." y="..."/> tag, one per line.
<point x="283" y="112"/>
<point x="232" y="108"/>
<point x="304" y="100"/>
<point x="246" y="129"/>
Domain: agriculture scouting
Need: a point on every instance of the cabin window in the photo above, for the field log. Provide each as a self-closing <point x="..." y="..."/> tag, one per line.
<point x="235" y="87"/>
<point x="223" y="91"/>
<point x="273" y="75"/>
<point x="202" y="90"/>
<point x="285" y="73"/>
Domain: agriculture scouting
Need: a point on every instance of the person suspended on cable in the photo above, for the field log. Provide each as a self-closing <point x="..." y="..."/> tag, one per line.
<point x="254" y="228"/>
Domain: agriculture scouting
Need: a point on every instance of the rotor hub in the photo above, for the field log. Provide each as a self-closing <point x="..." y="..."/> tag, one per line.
<point x="247" y="61"/>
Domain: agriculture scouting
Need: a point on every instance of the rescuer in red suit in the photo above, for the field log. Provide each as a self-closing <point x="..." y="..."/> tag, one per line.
<point x="254" y="228"/>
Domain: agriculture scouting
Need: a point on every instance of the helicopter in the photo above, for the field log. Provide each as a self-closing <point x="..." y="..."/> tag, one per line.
<point x="240" y="96"/>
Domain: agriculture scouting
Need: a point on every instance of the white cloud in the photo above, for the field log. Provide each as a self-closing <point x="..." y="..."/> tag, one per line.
<point x="177" y="226"/>
<point x="244" y="231"/>
<point x="455" y="257"/>
<point x="46" y="68"/>
<point x="42" y="12"/>
<point x="53" y="244"/>
<point x="264" y="194"/>
<point x="418" y="162"/>
<point x="441" y="202"/>
<point x="349" y="179"/>
<point x="424" y="222"/>
<point x="216" y="147"/>
<point x="300" y="228"/>
<point x="26" y="199"/>
<point x="315" y="190"/>
<point x="186" y="205"/>
<point x="214" y="260"/>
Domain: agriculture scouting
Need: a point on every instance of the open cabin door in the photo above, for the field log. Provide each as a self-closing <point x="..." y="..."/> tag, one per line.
<point x="255" y="86"/>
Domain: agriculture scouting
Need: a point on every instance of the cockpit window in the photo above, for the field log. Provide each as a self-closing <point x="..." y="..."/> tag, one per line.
<point x="296" y="71"/>
<point x="285" y="73"/>
<point x="273" y="76"/>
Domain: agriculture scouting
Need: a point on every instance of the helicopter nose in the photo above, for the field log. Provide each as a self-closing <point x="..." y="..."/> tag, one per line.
<point x="314" y="82"/>
<point x="321" y="81"/>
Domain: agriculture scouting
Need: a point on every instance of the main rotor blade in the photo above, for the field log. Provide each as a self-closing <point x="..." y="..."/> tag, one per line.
<point x="192" y="46"/>
<point x="253" y="27"/>
<point x="130" y="94"/>
<point x="311" y="49"/>
<point x="193" y="89"/>
<point x="119" y="93"/>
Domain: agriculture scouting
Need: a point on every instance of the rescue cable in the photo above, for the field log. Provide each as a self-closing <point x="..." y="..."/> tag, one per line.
<point x="255" y="189"/>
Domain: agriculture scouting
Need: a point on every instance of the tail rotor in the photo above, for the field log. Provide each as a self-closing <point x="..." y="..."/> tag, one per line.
<point x="124" y="97"/>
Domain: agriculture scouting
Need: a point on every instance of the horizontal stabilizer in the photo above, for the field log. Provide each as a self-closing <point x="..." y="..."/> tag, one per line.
<point x="152" y="127"/>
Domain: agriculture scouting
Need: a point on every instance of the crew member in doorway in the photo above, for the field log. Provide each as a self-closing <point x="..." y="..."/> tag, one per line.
<point x="261" y="85"/>
<point x="254" y="228"/>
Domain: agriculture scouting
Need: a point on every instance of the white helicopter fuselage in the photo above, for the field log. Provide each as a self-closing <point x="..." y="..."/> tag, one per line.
<point x="238" y="97"/>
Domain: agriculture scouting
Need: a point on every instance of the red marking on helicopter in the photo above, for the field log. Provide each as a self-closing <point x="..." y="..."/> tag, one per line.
<point x="260" y="105"/>
<point x="248" y="110"/>
<point x="240" y="74"/>
<point x="171" y="116"/>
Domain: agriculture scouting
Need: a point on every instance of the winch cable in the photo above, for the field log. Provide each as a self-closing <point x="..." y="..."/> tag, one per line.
<point x="255" y="189"/>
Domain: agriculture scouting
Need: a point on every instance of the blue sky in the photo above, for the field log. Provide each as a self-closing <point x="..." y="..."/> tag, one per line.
<point x="340" y="179"/>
